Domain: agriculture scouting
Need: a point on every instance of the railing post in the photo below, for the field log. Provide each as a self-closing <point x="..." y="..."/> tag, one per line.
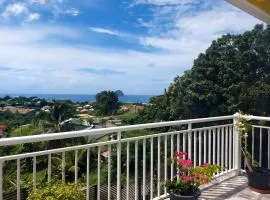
<point x="119" y="166"/>
<point x="1" y="179"/>
<point x="237" y="143"/>
<point x="189" y="140"/>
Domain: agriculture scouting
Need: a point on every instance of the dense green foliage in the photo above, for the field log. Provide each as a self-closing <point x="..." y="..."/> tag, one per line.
<point x="106" y="103"/>
<point x="58" y="191"/>
<point x="233" y="74"/>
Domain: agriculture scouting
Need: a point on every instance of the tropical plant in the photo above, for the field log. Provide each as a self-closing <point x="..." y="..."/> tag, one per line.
<point x="106" y="102"/>
<point x="57" y="191"/>
<point x="189" y="178"/>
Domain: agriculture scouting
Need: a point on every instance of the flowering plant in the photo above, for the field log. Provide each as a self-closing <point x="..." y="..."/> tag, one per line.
<point x="189" y="178"/>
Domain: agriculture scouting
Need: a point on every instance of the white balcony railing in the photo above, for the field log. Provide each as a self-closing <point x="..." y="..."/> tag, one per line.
<point x="138" y="164"/>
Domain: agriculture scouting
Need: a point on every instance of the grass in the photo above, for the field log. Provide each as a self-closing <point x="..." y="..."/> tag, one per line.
<point x="26" y="130"/>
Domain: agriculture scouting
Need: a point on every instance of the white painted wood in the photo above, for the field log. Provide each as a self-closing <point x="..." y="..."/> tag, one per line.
<point x="1" y="180"/>
<point x="151" y="169"/>
<point x="87" y="174"/>
<point x="218" y="146"/>
<point x="226" y="148"/>
<point x="158" y="169"/>
<point x="119" y="165"/>
<point x="98" y="174"/>
<point x="195" y="149"/>
<point x="214" y="145"/>
<point x="209" y="145"/>
<point x="253" y="139"/>
<point x="165" y="161"/>
<point x="200" y="147"/>
<point x="127" y="186"/>
<point x="144" y="168"/>
<point x="34" y="172"/>
<point x="189" y="140"/>
<point x="136" y="170"/>
<point x="222" y="147"/>
<point x="172" y="154"/>
<point x="230" y="147"/>
<point x="268" y="148"/>
<point x="109" y="170"/>
<point x="18" y="182"/>
<point x="49" y="167"/>
<point x="76" y="166"/>
<point x="102" y="131"/>
<point x="204" y="146"/>
<point x="260" y="154"/>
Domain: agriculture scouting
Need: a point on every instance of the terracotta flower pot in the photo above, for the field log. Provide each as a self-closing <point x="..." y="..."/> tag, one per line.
<point x="174" y="196"/>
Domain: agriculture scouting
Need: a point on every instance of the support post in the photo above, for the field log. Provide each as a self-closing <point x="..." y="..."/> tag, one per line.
<point x="237" y="143"/>
<point x="119" y="166"/>
<point x="189" y="140"/>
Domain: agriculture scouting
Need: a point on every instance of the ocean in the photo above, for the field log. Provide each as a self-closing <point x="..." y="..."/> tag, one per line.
<point x="82" y="97"/>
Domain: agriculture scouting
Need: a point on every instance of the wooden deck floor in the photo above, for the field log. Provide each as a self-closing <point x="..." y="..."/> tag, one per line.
<point x="233" y="189"/>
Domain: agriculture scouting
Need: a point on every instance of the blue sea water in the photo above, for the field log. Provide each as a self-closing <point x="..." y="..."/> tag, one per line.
<point x="82" y="98"/>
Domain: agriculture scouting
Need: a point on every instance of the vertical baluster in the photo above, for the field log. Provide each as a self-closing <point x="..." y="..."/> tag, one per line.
<point x="98" y="174"/>
<point x="178" y="142"/>
<point x="184" y="143"/>
<point x="136" y="170"/>
<point x="214" y="145"/>
<point x="144" y="168"/>
<point x="209" y="145"/>
<point x="109" y="169"/>
<point x="268" y="148"/>
<point x="260" y="159"/>
<point x="189" y="141"/>
<point x="230" y="147"/>
<point x="34" y="171"/>
<point x="172" y="152"/>
<point x="18" y="179"/>
<point x="151" y="169"/>
<point x="165" y="160"/>
<point x="1" y="179"/>
<point x="63" y="166"/>
<point x="119" y="166"/>
<point x="253" y="144"/>
<point x="158" y="168"/>
<point x="127" y="195"/>
<point x="195" y="149"/>
<point x="226" y="147"/>
<point x="49" y="167"/>
<point x="222" y="147"/>
<point x="200" y="147"/>
<point x="76" y="166"/>
<point x="204" y="146"/>
<point x="87" y="173"/>
<point x="218" y="146"/>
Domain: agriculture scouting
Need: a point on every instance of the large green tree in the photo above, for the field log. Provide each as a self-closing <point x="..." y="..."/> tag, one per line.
<point x="106" y="102"/>
<point x="233" y="74"/>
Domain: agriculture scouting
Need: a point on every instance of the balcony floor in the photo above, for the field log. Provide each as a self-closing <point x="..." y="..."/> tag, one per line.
<point x="233" y="189"/>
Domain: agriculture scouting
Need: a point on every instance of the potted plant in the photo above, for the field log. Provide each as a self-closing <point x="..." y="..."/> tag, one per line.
<point x="185" y="185"/>
<point x="258" y="177"/>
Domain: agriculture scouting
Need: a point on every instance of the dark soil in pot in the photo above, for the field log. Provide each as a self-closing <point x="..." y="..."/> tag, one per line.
<point x="259" y="180"/>
<point x="175" y="196"/>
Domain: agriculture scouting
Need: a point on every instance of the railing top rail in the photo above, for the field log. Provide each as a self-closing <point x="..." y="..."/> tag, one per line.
<point x="102" y="131"/>
<point x="251" y="117"/>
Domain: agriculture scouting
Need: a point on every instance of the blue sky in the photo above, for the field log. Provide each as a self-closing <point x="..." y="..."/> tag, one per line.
<point x="85" y="46"/>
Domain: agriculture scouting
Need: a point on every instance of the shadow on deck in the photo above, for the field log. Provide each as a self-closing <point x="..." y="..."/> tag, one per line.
<point x="235" y="188"/>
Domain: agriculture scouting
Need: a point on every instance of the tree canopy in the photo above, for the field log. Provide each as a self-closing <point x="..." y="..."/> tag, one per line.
<point x="233" y="74"/>
<point x="106" y="102"/>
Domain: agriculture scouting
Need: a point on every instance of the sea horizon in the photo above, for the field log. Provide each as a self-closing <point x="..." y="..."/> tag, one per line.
<point x="128" y="98"/>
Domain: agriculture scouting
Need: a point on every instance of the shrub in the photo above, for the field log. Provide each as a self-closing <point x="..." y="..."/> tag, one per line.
<point x="57" y="191"/>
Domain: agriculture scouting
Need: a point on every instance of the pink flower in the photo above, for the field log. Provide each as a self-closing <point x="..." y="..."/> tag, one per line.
<point x="185" y="163"/>
<point x="180" y="153"/>
<point x="205" y="164"/>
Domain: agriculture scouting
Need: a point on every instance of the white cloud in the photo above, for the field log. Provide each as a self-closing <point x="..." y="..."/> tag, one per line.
<point x="33" y="17"/>
<point x="73" y="12"/>
<point x="105" y="31"/>
<point x="162" y="2"/>
<point x="14" y="9"/>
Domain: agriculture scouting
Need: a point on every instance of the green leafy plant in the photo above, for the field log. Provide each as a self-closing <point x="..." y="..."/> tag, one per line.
<point x="57" y="191"/>
<point x="189" y="178"/>
<point x="244" y="127"/>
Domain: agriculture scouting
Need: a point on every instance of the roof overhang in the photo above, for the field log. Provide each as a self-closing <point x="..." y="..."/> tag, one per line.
<point x="258" y="8"/>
